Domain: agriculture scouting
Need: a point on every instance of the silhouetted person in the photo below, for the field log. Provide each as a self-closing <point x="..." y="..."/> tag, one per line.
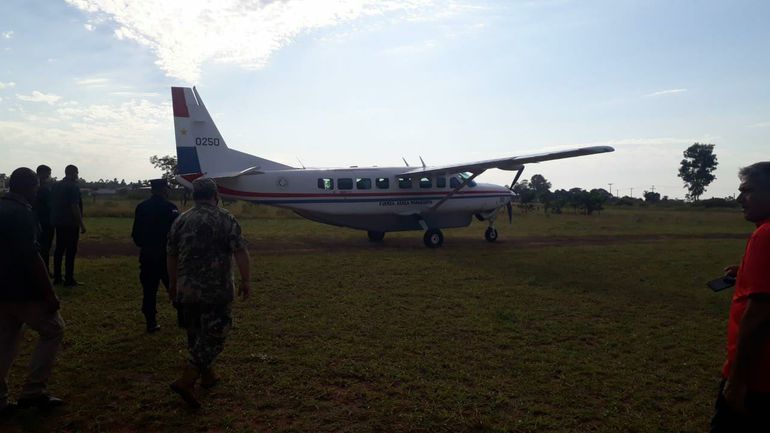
<point x="743" y="403"/>
<point x="67" y="218"/>
<point x="42" y="207"/>
<point x="26" y="295"/>
<point x="152" y="221"/>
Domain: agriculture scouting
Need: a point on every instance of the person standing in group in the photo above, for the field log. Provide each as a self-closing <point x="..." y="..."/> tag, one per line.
<point x="26" y="295"/>
<point x="201" y="246"/>
<point x="152" y="221"/>
<point x="743" y="403"/>
<point x="42" y="207"/>
<point x="67" y="218"/>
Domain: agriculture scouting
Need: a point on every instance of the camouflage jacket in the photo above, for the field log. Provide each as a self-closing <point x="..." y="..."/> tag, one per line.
<point x="204" y="239"/>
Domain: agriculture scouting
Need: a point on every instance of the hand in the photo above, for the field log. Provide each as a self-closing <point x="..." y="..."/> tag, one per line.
<point x="82" y="229"/>
<point x="171" y="292"/>
<point x="244" y="290"/>
<point x="735" y="396"/>
<point x="731" y="271"/>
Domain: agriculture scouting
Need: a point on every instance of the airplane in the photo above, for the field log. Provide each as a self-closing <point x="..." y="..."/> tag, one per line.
<point x="376" y="199"/>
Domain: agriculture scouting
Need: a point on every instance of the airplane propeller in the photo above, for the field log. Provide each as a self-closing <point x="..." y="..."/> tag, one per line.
<point x="509" y="208"/>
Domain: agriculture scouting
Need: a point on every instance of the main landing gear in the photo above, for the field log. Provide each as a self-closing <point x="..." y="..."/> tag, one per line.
<point x="433" y="238"/>
<point x="375" y="236"/>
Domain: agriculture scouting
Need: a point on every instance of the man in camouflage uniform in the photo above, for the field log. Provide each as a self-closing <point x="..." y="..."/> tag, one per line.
<point x="201" y="246"/>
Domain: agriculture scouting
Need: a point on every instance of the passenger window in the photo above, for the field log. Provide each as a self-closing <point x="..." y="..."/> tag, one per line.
<point x="345" y="183"/>
<point x="383" y="183"/>
<point x="454" y="182"/>
<point x="441" y="182"/>
<point x="404" y="182"/>
<point x="425" y="182"/>
<point x="326" y="184"/>
<point x="363" y="183"/>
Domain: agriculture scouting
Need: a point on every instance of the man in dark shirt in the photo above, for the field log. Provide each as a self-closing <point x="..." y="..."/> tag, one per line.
<point x="152" y="220"/>
<point x="67" y="218"/>
<point x="42" y="208"/>
<point x="26" y="295"/>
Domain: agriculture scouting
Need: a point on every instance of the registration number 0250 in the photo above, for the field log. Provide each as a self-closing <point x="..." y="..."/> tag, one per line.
<point x="206" y="141"/>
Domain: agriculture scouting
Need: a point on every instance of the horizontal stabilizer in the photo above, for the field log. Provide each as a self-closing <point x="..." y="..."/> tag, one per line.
<point x="231" y="174"/>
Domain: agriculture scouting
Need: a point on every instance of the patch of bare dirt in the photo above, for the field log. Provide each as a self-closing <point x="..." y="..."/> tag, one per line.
<point x="306" y="245"/>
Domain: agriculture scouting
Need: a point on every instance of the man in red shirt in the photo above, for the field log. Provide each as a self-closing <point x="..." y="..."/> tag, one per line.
<point x="743" y="404"/>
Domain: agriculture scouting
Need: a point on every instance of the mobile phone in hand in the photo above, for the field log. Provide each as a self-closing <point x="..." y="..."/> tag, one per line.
<point x="721" y="283"/>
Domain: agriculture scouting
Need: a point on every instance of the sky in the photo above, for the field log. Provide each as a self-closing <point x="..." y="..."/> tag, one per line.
<point x="364" y="82"/>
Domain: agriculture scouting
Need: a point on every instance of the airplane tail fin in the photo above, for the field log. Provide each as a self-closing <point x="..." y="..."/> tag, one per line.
<point x="200" y="148"/>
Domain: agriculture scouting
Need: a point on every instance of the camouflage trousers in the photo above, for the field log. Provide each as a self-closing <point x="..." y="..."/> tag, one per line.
<point x="207" y="326"/>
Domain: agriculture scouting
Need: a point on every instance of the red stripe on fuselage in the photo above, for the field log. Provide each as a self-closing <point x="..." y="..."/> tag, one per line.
<point x="191" y="177"/>
<point x="345" y="194"/>
<point x="178" y="100"/>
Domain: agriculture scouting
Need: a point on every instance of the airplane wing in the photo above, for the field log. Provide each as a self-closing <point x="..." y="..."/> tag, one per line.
<point x="512" y="164"/>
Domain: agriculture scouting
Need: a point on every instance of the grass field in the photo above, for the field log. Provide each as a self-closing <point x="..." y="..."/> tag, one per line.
<point x="567" y="324"/>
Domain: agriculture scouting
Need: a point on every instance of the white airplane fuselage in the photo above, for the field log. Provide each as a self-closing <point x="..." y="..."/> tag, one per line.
<point x="362" y="198"/>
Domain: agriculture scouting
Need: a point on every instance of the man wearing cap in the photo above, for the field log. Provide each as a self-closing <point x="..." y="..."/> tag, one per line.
<point x="67" y="218"/>
<point x="201" y="246"/>
<point x="26" y="295"/>
<point x="152" y="221"/>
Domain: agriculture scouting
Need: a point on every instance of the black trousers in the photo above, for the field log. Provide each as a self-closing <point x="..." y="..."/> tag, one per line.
<point x="66" y="246"/>
<point x="46" y="240"/>
<point x="757" y="420"/>
<point x="152" y="271"/>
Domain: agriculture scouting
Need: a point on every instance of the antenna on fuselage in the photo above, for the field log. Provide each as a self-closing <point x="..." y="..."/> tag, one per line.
<point x="300" y="163"/>
<point x="423" y="162"/>
<point x="407" y="164"/>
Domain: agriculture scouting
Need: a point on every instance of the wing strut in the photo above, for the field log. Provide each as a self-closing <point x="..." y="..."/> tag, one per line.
<point x="454" y="191"/>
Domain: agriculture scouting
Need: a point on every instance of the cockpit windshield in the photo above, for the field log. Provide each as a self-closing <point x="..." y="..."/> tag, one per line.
<point x="461" y="177"/>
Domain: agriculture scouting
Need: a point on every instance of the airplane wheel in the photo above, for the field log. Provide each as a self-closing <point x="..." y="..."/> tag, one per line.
<point x="491" y="234"/>
<point x="375" y="236"/>
<point x="433" y="238"/>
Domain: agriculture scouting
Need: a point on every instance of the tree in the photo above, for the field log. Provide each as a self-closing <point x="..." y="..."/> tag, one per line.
<point x="651" y="197"/>
<point x="696" y="169"/>
<point x="542" y="190"/>
<point x="525" y="193"/>
<point x="167" y="164"/>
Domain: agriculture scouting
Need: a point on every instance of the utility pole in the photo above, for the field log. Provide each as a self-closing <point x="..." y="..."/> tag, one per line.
<point x="632" y="192"/>
<point x="653" y="188"/>
<point x="610" y="189"/>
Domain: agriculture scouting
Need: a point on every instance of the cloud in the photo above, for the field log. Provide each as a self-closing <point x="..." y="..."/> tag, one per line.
<point x="137" y="94"/>
<point x="755" y="125"/>
<point x="411" y="49"/>
<point x="664" y="92"/>
<point x="8" y="34"/>
<point x="7" y="85"/>
<point x="90" y="27"/>
<point x="93" y="82"/>
<point x="37" y="96"/>
<point x="117" y="135"/>
<point x="184" y="35"/>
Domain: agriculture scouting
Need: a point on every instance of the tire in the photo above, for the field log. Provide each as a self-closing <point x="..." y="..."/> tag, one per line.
<point x="375" y="236"/>
<point x="433" y="238"/>
<point x="491" y="234"/>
